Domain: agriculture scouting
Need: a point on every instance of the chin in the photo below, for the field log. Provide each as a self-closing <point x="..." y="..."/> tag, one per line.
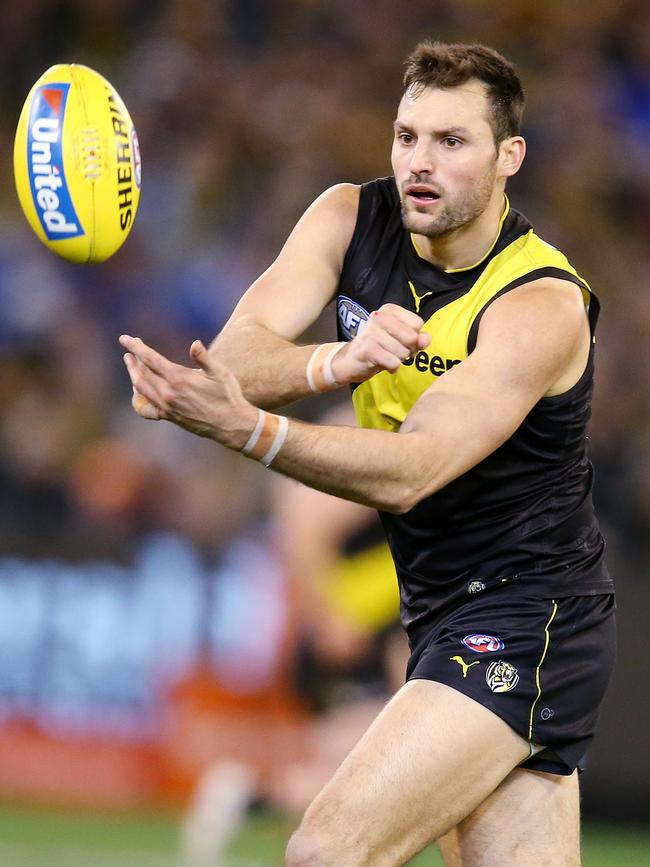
<point x="413" y="221"/>
<point x="419" y="222"/>
<point x="422" y="224"/>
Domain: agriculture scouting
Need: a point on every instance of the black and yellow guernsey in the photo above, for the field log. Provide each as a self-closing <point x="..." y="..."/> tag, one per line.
<point x="524" y="515"/>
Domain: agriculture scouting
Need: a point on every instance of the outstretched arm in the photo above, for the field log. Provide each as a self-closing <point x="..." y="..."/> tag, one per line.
<point x="532" y="342"/>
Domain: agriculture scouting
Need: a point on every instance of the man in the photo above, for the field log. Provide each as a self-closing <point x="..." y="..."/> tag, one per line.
<point x="470" y="342"/>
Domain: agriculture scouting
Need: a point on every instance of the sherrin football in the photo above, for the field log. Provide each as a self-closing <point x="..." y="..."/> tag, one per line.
<point x="77" y="164"/>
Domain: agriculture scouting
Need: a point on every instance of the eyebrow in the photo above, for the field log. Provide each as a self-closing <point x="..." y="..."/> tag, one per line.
<point x="450" y="130"/>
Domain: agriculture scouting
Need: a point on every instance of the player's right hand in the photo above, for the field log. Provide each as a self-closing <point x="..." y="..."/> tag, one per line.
<point x="390" y="336"/>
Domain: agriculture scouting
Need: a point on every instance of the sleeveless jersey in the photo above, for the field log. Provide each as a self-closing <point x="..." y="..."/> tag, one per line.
<point x="523" y="515"/>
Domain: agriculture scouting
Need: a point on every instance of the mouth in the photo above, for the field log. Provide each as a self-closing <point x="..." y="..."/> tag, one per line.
<point x="420" y="194"/>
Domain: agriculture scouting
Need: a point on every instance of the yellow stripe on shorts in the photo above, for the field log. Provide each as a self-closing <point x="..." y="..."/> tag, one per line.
<point x="539" y="688"/>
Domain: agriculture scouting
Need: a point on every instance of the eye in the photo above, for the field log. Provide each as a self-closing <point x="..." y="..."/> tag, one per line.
<point x="451" y="141"/>
<point x="405" y="137"/>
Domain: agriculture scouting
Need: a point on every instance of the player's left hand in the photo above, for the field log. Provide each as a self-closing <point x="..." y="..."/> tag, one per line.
<point x="205" y="400"/>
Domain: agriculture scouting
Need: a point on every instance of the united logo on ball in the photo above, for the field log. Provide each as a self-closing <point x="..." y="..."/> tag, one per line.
<point x="77" y="164"/>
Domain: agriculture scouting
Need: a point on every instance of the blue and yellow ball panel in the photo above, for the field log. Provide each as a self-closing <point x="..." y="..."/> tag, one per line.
<point x="77" y="164"/>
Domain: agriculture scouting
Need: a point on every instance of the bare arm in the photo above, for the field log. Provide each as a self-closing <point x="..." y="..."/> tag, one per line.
<point x="532" y="342"/>
<point x="257" y="343"/>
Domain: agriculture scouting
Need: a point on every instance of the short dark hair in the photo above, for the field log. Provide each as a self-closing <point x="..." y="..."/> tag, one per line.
<point x="439" y="64"/>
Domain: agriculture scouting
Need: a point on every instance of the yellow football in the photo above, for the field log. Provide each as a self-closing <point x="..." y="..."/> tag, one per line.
<point x="77" y="164"/>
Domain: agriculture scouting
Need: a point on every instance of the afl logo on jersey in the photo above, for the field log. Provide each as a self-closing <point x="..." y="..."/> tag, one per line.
<point x="352" y="316"/>
<point x="480" y="643"/>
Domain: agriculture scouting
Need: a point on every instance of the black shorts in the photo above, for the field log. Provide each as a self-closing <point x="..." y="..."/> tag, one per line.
<point x="542" y="665"/>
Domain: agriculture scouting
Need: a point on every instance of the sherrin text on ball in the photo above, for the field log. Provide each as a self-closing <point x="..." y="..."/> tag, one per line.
<point x="77" y="164"/>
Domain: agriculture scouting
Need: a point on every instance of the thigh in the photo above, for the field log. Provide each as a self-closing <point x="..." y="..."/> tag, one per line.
<point x="427" y="761"/>
<point x="531" y="820"/>
<point x="540" y="664"/>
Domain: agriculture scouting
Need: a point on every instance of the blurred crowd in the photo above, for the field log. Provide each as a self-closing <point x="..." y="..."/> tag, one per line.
<point x="246" y="110"/>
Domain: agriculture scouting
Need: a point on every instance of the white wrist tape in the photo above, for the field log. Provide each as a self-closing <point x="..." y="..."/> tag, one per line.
<point x="319" y="367"/>
<point x="267" y="438"/>
<point x="251" y="442"/>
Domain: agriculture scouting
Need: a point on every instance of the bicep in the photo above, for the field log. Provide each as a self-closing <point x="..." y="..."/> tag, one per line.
<point x="525" y="345"/>
<point x="293" y="291"/>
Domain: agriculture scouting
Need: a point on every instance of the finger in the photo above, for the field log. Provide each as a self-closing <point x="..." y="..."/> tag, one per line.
<point x="144" y="407"/>
<point x="407" y="317"/>
<point x="199" y="354"/>
<point x="145" y="382"/>
<point x="424" y="340"/>
<point x="153" y="360"/>
<point x="387" y="360"/>
<point x="142" y="375"/>
<point x="385" y="341"/>
<point x="407" y="336"/>
<point x="375" y="355"/>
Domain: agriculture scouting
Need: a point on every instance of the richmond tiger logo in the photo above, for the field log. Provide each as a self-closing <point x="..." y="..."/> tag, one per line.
<point x="501" y="676"/>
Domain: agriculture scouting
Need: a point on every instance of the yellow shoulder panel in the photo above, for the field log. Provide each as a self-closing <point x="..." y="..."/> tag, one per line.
<point x="385" y="400"/>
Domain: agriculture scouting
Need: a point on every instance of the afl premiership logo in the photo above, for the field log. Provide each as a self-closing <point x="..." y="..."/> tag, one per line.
<point x="352" y="316"/>
<point x="501" y="676"/>
<point x="480" y="643"/>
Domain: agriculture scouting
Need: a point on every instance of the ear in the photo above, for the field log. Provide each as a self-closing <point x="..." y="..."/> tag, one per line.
<point x="511" y="155"/>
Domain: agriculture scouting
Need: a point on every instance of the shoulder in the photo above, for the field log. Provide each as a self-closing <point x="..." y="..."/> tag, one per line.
<point x="371" y="194"/>
<point x="544" y="255"/>
<point x="540" y="333"/>
<point x="347" y="199"/>
<point x="346" y="213"/>
<point x="529" y="274"/>
<point x="523" y="247"/>
<point x="538" y="304"/>
<point x="324" y="231"/>
<point x="341" y="200"/>
<point x="334" y="213"/>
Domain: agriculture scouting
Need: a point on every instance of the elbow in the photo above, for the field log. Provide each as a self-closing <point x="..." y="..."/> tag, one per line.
<point x="229" y="333"/>
<point x="417" y="476"/>
<point x="407" y="497"/>
<point x="398" y="507"/>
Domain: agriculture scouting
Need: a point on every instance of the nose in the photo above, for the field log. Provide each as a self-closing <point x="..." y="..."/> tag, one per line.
<point x="421" y="162"/>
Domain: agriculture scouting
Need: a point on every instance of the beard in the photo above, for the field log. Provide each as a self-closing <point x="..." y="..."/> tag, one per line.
<point x="456" y="212"/>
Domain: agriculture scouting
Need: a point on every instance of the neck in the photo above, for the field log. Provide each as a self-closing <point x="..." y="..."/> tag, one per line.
<point x="468" y="245"/>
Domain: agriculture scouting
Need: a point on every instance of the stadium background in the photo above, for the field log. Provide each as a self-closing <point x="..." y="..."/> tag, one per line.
<point x="127" y="550"/>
